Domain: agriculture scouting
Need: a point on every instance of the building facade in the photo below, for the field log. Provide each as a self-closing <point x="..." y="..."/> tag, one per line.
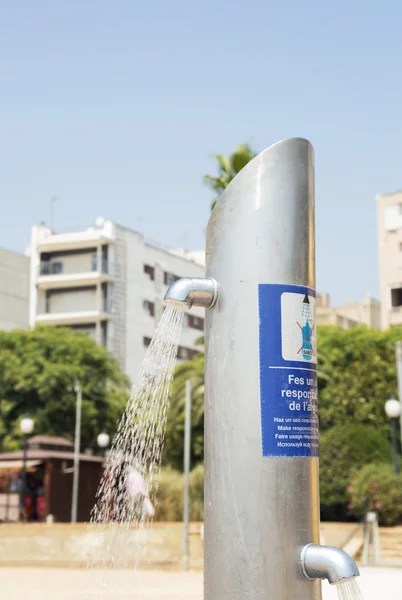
<point x="108" y="282"/>
<point x="351" y="314"/>
<point x="389" y="219"/>
<point x="14" y="290"/>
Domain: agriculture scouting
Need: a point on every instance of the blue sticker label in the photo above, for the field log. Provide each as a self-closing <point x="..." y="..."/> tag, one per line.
<point x="288" y="370"/>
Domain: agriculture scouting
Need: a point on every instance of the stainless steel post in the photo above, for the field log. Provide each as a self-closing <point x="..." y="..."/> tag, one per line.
<point x="77" y="445"/>
<point x="395" y="459"/>
<point x="187" y="447"/>
<point x="261" y="491"/>
<point x="398" y="352"/>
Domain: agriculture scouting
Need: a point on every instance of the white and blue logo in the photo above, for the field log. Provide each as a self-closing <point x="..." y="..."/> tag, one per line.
<point x="298" y="327"/>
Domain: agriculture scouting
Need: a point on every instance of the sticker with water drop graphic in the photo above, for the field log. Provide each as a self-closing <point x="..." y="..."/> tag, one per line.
<point x="288" y="378"/>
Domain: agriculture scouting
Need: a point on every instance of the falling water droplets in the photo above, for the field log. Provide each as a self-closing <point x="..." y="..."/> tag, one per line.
<point x="138" y="445"/>
<point x="349" y="590"/>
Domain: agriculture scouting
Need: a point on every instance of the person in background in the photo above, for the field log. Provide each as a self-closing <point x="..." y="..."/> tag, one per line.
<point x="138" y="494"/>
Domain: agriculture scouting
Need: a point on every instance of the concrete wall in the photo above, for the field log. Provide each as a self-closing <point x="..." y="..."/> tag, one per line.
<point x="159" y="546"/>
<point x="14" y="290"/>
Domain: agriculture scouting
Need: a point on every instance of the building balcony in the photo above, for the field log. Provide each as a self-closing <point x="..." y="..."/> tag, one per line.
<point x="49" y="241"/>
<point x="54" y="274"/>
<point x="73" y="318"/>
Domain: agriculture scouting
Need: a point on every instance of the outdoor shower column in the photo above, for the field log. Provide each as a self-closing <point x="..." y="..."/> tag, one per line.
<point x="261" y="447"/>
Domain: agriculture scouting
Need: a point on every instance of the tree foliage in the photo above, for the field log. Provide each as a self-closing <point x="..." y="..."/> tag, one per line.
<point x="228" y="168"/>
<point x="376" y="488"/>
<point x="38" y="372"/>
<point x="344" y="449"/>
<point x="173" y="451"/>
<point x="361" y="375"/>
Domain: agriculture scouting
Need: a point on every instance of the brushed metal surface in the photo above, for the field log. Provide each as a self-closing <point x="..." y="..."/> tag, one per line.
<point x="259" y="511"/>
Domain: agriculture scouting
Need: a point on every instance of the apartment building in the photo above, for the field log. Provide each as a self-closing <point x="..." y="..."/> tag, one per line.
<point x="389" y="221"/>
<point x="14" y="290"/>
<point x="350" y="314"/>
<point x="108" y="282"/>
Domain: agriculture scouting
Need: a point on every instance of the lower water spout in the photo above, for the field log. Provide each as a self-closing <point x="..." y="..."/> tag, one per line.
<point x="327" y="562"/>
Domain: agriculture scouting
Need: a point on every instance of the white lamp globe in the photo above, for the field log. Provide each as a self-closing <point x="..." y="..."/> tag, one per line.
<point x="27" y="426"/>
<point x="393" y="408"/>
<point x="103" y="440"/>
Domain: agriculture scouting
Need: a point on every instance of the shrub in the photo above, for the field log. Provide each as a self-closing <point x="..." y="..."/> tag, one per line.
<point x="169" y="495"/>
<point x="376" y="488"/>
<point x="197" y="494"/>
<point x="345" y="448"/>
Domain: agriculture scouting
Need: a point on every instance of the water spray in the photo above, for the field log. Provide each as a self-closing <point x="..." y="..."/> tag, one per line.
<point x="261" y="420"/>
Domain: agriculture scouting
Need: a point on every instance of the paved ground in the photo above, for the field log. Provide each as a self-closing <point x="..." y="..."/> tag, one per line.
<point x="55" y="584"/>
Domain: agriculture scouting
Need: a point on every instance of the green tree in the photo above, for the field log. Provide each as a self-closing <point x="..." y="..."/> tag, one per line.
<point x="228" y="168"/>
<point x="38" y="371"/>
<point x="173" y="451"/>
<point x="361" y="375"/>
<point x="344" y="449"/>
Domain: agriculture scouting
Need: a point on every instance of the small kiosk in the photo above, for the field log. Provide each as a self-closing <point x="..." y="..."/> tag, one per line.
<point x="49" y="481"/>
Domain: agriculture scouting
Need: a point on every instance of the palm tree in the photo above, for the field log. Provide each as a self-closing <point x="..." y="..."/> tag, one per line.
<point x="228" y="168"/>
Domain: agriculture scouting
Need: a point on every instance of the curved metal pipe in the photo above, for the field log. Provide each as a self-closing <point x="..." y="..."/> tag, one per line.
<point x="192" y="291"/>
<point x="327" y="562"/>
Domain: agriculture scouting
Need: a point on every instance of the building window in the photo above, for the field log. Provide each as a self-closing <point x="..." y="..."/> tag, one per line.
<point x="396" y="297"/>
<point x="400" y="208"/>
<point x="146" y="341"/>
<point x="149" y="307"/>
<point x="150" y="271"/>
<point x="103" y="267"/>
<point x="169" y="278"/>
<point x="104" y="333"/>
<point x="195" y="322"/>
<point x="186" y="353"/>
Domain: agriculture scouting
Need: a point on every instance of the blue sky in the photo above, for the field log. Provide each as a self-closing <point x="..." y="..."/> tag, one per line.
<point x="116" y="107"/>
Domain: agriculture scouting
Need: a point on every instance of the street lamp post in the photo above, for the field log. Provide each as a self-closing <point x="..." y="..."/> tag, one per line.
<point x="103" y="440"/>
<point x="27" y="427"/>
<point x="187" y="454"/>
<point x="393" y="411"/>
<point x="77" y="447"/>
